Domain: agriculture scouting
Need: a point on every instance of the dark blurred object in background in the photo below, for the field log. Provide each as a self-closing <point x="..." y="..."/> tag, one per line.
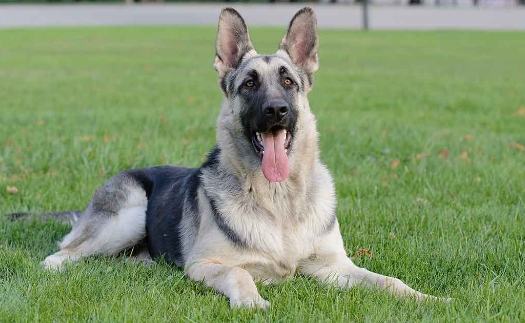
<point x="489" y="3"/>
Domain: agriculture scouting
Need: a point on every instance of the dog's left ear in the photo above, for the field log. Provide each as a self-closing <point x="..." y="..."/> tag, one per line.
<point x="301" y="41"/>
<point x="233" y="41"/>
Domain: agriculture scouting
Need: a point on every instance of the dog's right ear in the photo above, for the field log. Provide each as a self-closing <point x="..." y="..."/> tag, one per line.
<point x="233" y="41"/>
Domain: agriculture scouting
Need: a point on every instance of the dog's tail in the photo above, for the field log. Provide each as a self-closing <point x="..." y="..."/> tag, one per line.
<point x="67" y="216"/>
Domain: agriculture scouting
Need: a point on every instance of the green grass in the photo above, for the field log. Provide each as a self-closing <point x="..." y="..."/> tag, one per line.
<point x="78" y="105"/>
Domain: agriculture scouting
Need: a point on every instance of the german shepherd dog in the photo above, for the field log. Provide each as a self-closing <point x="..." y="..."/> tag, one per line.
<point x="260" y="208"/>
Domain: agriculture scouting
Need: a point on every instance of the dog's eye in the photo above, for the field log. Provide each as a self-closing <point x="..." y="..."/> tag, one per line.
<point x="288" y="81"/>
<point x="249" y="83"/>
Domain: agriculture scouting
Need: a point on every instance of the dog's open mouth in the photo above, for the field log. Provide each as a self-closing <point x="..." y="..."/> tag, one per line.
<point x="273" y="147"/>
<point x="258" y="139"/>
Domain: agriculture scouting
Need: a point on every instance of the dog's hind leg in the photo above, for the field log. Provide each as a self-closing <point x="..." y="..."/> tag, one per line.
<point x="139" y="254"/>
<point x="115" y="220"/>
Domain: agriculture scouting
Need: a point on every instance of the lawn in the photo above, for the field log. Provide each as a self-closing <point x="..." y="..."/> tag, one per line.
<point x="424" y="133"/>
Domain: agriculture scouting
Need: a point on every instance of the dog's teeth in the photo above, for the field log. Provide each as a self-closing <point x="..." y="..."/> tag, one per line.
<point x="259" y="137"/>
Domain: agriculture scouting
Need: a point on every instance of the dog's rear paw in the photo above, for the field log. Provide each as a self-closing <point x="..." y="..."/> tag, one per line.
<point x="55" y="263"/>
<point x="252" y="303"/>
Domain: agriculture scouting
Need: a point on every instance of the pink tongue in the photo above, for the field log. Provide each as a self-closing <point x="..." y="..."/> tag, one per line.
<point x="275" y="161"/>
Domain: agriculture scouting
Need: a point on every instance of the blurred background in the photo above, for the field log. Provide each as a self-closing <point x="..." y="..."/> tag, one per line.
<point x="351" y="14"/>
<point x="382" y="2"/>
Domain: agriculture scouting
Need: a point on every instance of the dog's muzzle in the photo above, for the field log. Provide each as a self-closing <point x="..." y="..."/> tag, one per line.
<point x="275" y="111"/>
<point x="273" y="139"/>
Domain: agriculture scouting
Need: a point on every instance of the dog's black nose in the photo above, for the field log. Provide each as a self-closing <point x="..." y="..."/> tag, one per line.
<point x="275" y="110"/>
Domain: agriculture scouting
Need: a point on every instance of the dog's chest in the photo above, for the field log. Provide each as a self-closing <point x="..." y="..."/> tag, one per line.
<point x="276" y="259"/>
<point x="277" y="246"/>
<point x="272" y="227"/>
<point x="276" y="225"/>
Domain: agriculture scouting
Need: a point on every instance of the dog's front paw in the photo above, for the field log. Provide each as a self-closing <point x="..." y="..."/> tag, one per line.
<point x="443" y="299"/>
<point x="424" y="297"/>
<point x="252" y="302"/>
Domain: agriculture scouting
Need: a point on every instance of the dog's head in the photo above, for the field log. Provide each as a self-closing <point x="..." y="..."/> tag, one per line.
<point x="265" y="95"/>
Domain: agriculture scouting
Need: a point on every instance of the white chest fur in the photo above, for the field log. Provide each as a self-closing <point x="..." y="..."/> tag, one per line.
<point x="272" y="226"/>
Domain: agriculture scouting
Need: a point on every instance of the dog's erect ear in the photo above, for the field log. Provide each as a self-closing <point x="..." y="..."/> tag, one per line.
<point x="301" y="41"/>
<point x="233" y="41"/>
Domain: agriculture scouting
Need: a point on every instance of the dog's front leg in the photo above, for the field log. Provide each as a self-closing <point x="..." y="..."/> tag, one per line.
<point x="234" y="282"/>
<point x="342" y="271"/>
<point x="331" y="264"/>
